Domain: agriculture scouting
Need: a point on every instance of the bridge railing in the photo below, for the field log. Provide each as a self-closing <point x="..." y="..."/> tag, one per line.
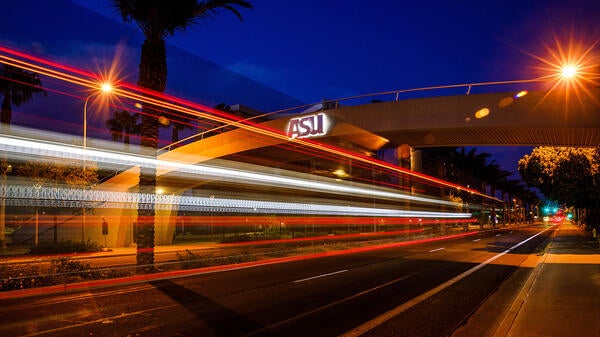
<point x="383" y="96"/>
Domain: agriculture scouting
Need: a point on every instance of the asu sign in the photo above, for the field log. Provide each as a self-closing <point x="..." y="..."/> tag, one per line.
<point x="308" y="126"/>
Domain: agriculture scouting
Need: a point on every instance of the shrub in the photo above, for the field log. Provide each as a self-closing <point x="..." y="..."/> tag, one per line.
<point x="190" y="260"/>
<point x="64" y="247"/>
<point x="61" y="270"/>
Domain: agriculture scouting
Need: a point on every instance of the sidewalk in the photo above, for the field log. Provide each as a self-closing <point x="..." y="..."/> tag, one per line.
<point x="560" y="297"/>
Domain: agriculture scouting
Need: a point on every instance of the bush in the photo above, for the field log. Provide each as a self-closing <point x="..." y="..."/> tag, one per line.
<point x="19" y="276"/>
<point x="61" y="270"/>
<point x="64" y="247"/>
<point x="190" y="260"/>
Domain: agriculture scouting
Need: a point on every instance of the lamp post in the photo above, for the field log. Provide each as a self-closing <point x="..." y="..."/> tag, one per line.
<point x="104" y="88"/>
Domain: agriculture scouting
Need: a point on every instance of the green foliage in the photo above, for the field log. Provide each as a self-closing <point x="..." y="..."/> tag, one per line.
<point x="54" y="171"/>
<point x="568" y="174"/>
<point x="190" y="260"/>
<point x="17" y="87"/>
<point x="122" y="125"/>
<point x="64" y="247"/>
<point x="62" y="270"/>
<point x="20" y="276"/>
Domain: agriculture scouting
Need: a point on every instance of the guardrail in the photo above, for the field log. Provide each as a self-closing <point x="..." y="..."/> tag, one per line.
<point x="327" y="104"/>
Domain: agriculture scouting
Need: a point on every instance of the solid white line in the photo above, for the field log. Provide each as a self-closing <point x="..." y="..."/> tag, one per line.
<point x="319" y="276"/>
<point x="476" y="240"/>
<point x="101" y="320"/>
<point x="436" y="250"/>
<point x="332" y="304"/>
<point x="369" y="325"/>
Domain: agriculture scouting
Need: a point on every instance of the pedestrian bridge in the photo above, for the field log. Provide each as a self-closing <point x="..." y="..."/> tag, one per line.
<point x="537" y="118"/>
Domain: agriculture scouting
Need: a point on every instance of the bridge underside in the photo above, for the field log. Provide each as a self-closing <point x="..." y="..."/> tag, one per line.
<point x="576" y="137"/>
<point x="536" y="119"/>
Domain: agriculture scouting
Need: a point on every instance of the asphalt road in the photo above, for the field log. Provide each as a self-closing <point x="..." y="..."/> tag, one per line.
<point x="426" y="289"/>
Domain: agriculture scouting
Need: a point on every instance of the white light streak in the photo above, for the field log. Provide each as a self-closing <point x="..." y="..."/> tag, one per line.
<point x="38" y="148"/>
<point x="29" y="196"/>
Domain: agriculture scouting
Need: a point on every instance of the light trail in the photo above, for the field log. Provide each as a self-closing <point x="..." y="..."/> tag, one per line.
<point x="143" y="278"/>
<point x="122" y="89"/>
<point x="17" y="146"/>
<point x="30" y="196"/>
<point x="373" y="323"/>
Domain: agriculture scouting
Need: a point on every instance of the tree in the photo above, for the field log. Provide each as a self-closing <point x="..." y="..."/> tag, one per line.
<point x="470" y="167"/>
<point x="123" y="125"/>
<point x="494" y="175"/>
<point x="55" y="172"/>
<point x="158" y="19"/>
<point x="17" y="87"/>
<point x="565" y="174"/>
<point x="512" y="189"/>
<point x="179" y="123"/>
<point x="223" y="107"/>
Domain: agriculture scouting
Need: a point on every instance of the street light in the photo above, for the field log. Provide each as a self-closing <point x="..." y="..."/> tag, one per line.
<point x="568" y="71"/>
<point x="104" y="88"/>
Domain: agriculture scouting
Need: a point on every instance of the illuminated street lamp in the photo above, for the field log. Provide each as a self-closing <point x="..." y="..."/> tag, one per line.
<point x="568" y="71"/>
<point x="104" y="88"/>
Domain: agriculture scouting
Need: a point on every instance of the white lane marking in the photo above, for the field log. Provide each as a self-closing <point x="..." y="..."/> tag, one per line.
<point x="436" y="250"/>
<point x="319" y="276"/>
<point x="498" y="234"/>
<point x="476" y="240"/>
<point x="101" y="320"/>
<point x="369" y="325"/>
<point x="307" y="313"/>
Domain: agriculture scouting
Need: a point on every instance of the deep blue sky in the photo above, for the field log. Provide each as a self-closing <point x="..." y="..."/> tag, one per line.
<point x="314" y="49"/>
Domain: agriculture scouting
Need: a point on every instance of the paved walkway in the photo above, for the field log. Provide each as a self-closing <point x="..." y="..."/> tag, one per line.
<point x="560" y="297"/>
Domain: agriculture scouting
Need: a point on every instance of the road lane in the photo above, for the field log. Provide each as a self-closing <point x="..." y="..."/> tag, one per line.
<point x="265" y="300"/>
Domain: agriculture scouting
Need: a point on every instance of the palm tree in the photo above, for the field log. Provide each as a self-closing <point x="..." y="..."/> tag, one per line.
<point x="17" y="87"/>
<point x="513" y="188"/>
<point x="179" y="123"/>
<point x="469" y="167"/>
<point x="494" y="175"/>
<point x="123" y="125"/>
<point x="158" y="19"/>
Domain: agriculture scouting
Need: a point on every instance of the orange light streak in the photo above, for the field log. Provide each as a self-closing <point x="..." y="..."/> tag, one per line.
<point x="136" y="279"/>
<point x="147" y="96"/>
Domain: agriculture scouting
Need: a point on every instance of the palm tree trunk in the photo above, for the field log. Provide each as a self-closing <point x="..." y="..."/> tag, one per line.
<point x="5" y="119"/>
<point x="174" y="134"/>
<point x="153" y="73"/>
<point x="3" y="165"/>
<point x="6" y="109"/>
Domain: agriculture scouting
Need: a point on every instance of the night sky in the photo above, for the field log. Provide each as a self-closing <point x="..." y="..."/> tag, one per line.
<point x="295" y="52"/>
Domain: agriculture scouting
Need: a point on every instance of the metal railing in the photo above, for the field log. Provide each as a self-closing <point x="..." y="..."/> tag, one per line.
<point x="335" y="103"/>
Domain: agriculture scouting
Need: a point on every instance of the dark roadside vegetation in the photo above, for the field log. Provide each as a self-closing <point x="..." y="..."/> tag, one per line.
<point x="67" y="265"/>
